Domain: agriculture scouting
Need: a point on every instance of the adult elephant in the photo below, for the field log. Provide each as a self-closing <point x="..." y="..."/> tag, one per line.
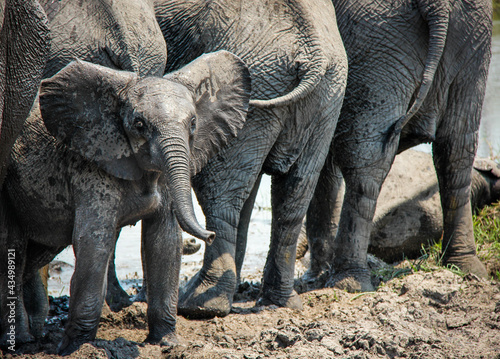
<point x="417" y="73"/>
<point x="24" y="45"/>
<point x="298" y="67"/>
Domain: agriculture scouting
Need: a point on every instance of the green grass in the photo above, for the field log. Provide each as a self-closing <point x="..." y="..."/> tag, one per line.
<point x="487" y="235"/>
<point x="496" y="9"/>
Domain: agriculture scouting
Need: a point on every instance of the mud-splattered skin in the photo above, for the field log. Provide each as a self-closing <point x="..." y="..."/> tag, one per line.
<point x="105" y="149"/>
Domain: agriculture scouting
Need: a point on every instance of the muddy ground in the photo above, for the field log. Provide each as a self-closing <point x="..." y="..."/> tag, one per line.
<point x="426" y="314"/>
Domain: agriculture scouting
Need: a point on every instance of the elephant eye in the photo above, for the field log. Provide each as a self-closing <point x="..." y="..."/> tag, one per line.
<point x="193" y="124"/>
<point x="139" y="124"/>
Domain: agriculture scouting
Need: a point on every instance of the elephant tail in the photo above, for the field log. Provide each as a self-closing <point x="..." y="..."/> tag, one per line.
<point x="306" y="85"/>
<point x="437" y="15"/>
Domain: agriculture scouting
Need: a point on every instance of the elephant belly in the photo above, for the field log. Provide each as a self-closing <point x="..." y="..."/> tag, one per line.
<point x="48" y="228"/>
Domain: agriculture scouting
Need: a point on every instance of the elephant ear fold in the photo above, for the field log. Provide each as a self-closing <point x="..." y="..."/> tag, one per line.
<point x="80" y="106"/>
<point x="220" y="83"/>
<point x="487" y="165"/>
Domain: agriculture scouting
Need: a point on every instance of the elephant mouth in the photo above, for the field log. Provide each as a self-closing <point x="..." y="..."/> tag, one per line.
<point x="145" y="159"/>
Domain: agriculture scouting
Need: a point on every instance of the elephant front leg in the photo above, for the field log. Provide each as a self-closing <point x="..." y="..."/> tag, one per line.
<point x="14" y="321"/>
<point x="162" y="249"/>
<point x="93" y="246"/>
<point x="15" y="329"/>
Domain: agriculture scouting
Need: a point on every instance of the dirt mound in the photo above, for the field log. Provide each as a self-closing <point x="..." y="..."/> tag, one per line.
<point x="423" y="315"/>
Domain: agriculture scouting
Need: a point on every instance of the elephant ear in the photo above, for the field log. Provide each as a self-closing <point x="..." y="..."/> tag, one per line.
<point x="220" y="83"/>
<point x="80" y="106"/>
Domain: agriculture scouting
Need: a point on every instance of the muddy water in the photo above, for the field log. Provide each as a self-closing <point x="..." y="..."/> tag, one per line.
<point x="128" y="261"/>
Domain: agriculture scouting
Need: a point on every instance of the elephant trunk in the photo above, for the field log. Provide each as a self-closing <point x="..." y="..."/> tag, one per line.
<point x="177" y="171"/>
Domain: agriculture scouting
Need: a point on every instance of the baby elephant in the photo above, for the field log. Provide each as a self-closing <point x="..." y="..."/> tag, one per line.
<point x="104" y="149"/>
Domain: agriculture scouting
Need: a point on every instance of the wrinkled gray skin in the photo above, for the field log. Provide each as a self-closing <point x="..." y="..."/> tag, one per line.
<point x="24" y="45"/>
<point x="114" y="148"/>
<point x="298" y="68"/>
<point x="122" y="35"/>
<point x="409" y="214"/>
<point x="417" y="73"/>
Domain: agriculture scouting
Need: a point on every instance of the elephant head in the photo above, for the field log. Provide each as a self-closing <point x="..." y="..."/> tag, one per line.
<point x="128" y="125"/>
<point x="485" y="186"/>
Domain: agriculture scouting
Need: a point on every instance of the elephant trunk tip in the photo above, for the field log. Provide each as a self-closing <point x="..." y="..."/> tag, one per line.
<point x="209" y="239"/>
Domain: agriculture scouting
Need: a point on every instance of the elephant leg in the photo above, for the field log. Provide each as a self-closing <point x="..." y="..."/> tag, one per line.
<point x="189" y="246"/>
<point x="241" y="241"/>
<point x="291" y="195"/>
<point x="93" y="245"/>
<point x="36" y="303"/>
<point x="14" y="320"/>
<point x="210" y="292"/>
<point x="161" y="234"/>
<point x="323" y="217"/>
<point x="364" y="168"/>
<point x="453" y="152"/>
<point x="116" y="297"/>
<point x="222" y="187"/>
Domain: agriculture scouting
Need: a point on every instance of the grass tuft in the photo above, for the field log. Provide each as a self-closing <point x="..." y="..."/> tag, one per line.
<point x="487" y="236"/>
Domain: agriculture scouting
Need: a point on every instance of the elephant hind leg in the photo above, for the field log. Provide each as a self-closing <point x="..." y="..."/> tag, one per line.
<point x="116" y="297"/>
<point x="36" y="303"/>
<point x="323" y="218"/>
<point x="291" y="194"/>
<point x="453" y="153"/>
<point x="222" y="188"/>
<point x="242" y="237"/>
<point x="364" y="172"/>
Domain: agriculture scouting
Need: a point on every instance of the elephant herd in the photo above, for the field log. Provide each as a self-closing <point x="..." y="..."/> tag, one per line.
<point x="311" y="92"/>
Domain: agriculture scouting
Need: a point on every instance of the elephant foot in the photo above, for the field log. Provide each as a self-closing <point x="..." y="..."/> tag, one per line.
<point x="117" y="298"/>
<point x="205" y="298"/>
<point x="291" y="301"/>
<point x="352" y="280"/>
<point x="467" y="264"/>
<point x="141" y="296"/>
<point x="15" y="340"/>
<point x="311" y="280"/>
<point x="168" y="340"/>
<point x="36" y="327"/>
<point x="67" y="345"/>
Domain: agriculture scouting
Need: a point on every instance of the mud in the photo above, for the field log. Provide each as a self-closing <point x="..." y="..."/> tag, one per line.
<point x="427" y="314"/>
